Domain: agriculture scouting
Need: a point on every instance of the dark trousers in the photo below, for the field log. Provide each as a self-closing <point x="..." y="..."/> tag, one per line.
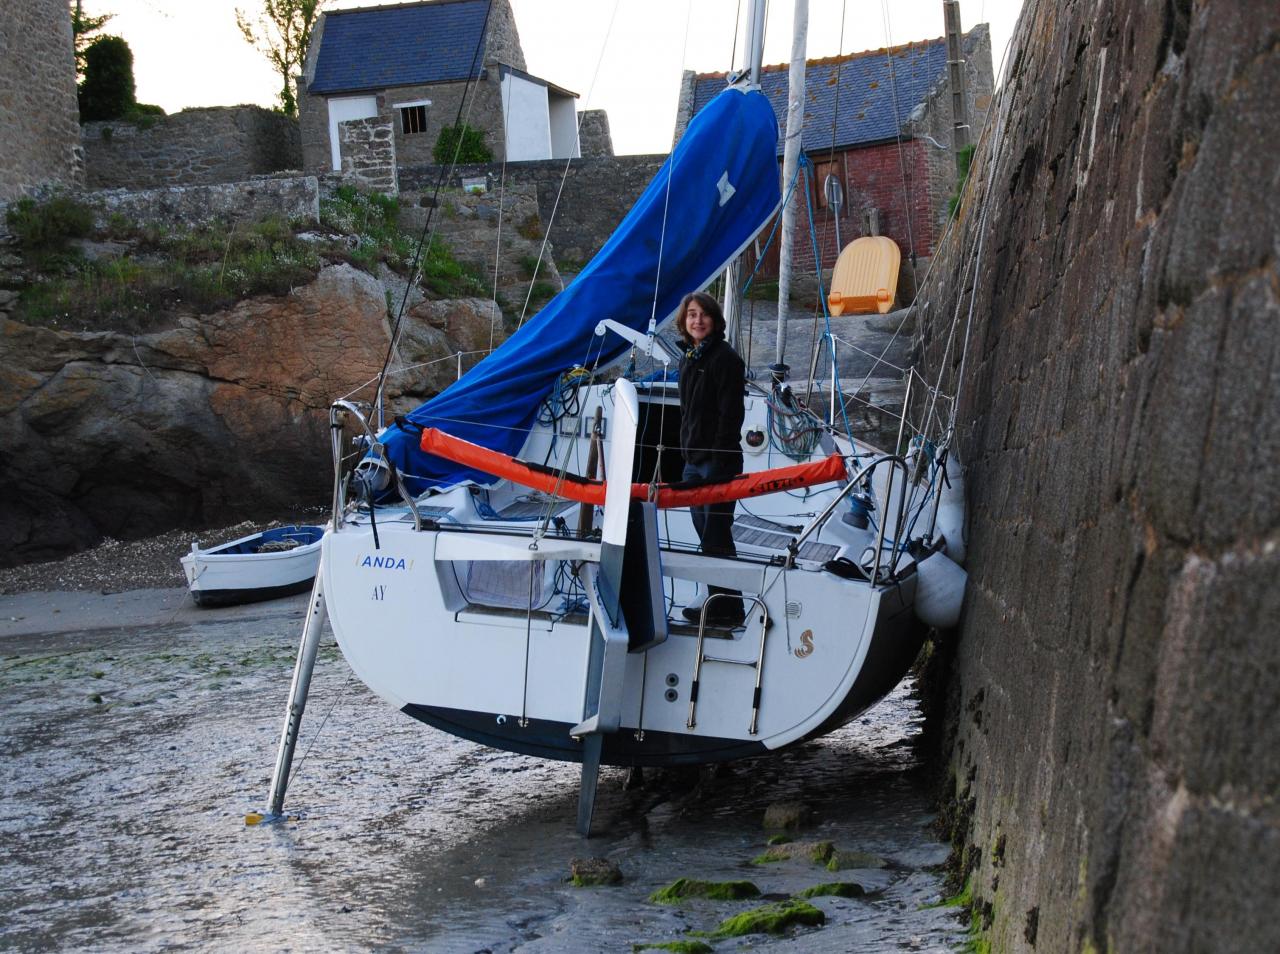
<point x="714" y="525"/>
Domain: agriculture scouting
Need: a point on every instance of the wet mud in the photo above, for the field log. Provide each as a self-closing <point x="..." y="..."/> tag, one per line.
<point x="139" y="732"/>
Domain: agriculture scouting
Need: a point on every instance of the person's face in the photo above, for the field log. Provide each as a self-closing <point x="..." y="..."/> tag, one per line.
<point x="697" y="323"/>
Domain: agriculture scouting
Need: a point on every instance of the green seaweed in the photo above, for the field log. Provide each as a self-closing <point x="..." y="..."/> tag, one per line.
<point x="684" y="888"/>
<point x="817" y="851"/>
<point x="677" y="947"/>
<point x="774" y="918"/>
<point x="842" y="860"/>
<point x="837" y="889"/>
<point x="962" y="900"/>
<point x="779" y="840"/>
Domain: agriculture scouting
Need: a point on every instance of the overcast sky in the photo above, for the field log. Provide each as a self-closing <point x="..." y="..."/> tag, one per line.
<point x="625" y="56"/>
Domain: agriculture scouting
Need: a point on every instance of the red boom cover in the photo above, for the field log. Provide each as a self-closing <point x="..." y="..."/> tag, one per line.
<point x="573" y="487"/>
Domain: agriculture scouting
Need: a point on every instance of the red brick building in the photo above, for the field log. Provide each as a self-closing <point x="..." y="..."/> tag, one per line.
<point x="879" y="123"/>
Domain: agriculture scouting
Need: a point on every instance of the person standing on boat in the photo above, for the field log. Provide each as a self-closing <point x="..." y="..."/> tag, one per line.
<point x="712" y="386"/>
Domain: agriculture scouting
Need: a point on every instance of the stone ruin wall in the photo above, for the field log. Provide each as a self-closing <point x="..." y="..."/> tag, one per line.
<point x="1113" y="695"/>
<point x="595" y="139"/>
<point x="597" y="193"/>
<point x="290" y="198"/>
<point x="194" y="147"/>
<point x="368" y="151"/>
<point x="39" y="117"/>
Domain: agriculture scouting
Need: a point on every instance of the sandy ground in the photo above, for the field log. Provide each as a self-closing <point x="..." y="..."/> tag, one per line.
<point x="115" y="566"/>
<point x="139" y="730"/>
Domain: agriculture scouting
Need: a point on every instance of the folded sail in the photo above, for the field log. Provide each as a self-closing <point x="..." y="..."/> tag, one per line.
<point x="712" y="195"/>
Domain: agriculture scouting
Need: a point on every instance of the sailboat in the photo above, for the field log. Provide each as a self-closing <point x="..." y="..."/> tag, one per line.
<point x="509" y="562"/>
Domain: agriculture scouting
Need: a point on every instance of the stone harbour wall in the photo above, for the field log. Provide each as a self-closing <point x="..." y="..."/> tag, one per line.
<point x="1115" y="749"/>
<point x="194" y="147"/>
<point x="39" y="118"/>
<point x="597" y="193"/>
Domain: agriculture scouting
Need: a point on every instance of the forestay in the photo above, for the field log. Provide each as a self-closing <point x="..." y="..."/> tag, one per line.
<point x="710" y="198"/>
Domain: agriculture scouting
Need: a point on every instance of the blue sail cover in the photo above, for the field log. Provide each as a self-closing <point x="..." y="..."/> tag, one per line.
<point x="724" y="187"/>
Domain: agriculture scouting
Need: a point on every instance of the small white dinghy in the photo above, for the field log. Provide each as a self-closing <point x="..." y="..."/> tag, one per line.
<point x="261" y="566"/>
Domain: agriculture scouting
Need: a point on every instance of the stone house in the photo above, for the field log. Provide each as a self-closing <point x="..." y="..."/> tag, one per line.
<point x="396" y="75"/>
<point x="879" y="123"/>
<point x="39" y="117"/>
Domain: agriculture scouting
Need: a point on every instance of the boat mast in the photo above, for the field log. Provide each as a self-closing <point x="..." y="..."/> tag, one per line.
<point x="790" y="159"/>
<point x="733" y="274"/>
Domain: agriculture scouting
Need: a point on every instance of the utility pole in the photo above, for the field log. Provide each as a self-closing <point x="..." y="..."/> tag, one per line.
<point x="955" y="64"/>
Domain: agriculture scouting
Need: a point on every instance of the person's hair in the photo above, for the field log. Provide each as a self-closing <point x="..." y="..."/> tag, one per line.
<point x="710" y="306"/>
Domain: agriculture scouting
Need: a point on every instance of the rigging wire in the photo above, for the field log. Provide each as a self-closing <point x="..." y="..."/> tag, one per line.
<point x="733" y="49"/>
<point x="564" y="175"/>
<point x="666" y="199"/>
<point x="440" y="179"/>
<point x="897" y="126"/>
<point x="502" y="208"/>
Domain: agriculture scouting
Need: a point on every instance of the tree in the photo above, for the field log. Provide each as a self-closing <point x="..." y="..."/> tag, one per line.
<point x="107" y="91"/>
<point x="281" y="33"/>
<point x="81" y="26"/>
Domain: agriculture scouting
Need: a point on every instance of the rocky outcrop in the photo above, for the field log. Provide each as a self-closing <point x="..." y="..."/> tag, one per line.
<point x="1117" y="673"/>
<point x="213" y="418"/>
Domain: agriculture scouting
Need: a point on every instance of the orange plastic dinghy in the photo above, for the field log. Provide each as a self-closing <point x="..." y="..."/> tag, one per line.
<point x="574" y="487"/>
<point x="866" y="276"/>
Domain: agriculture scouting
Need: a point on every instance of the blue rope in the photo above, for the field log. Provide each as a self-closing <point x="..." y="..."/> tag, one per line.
<point x="777" y="221"/>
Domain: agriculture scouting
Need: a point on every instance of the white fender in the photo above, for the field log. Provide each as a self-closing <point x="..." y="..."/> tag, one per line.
<point x="950" y="524"/>
<point x="939" y="590"/>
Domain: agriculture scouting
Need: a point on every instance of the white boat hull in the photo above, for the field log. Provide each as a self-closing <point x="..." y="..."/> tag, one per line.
<point x="239" y="572"/>
<point x="515" y="679"/>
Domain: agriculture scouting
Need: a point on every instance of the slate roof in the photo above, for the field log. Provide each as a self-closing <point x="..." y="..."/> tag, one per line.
<point x="866" y="100"/>
<point x="406" y="45"/>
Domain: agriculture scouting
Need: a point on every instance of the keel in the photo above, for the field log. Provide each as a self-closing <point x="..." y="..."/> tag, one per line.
<point x="591" y="746"/>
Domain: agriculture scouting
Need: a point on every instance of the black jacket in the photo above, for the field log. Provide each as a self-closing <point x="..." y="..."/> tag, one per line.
<point x="711" y="408"/>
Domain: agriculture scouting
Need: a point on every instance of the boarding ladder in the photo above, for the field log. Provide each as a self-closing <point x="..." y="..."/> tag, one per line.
<point x="701" y="657"/>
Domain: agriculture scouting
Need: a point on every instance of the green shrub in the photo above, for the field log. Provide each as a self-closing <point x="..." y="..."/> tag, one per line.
<point x="43" y="227"/>
<point x="966" y="160"/>
<point x="107" y="91"/>
<point x="472" y="147"/>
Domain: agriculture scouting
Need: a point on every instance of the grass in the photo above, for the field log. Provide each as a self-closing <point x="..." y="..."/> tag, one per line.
<point x="528" y="266"/>
<point x="966" y="160"/>
<point x="201" y="269"/>
<point x="167" y="270"/>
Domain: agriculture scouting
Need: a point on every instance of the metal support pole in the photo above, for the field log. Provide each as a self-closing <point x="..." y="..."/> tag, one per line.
<point x="755" y="39"/>
<point x="790" y="159"/>
<point x="733" y="304"/>
<point x="835" y="371"/>
<point x="302" y="670"/>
